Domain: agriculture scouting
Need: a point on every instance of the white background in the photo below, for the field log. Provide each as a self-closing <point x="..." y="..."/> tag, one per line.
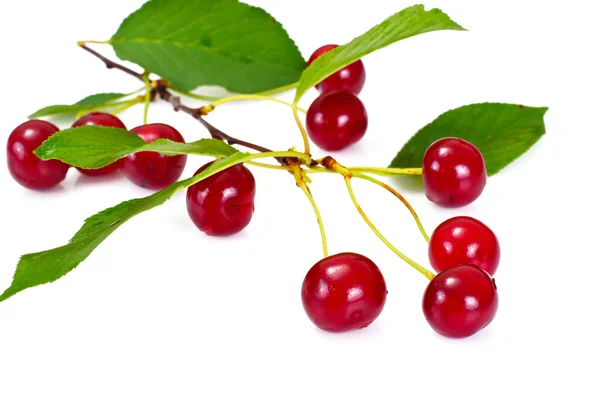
<point x="161" y="311"/>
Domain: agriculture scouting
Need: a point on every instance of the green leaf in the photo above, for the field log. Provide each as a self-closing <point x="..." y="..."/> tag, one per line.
<point x="93" y="101"/>
<point x="502" y="132"/>
<point x="210" y="42"/>
<point x="93" y="147"/>
<point x="48" y="266"/>
<point x="409" y="22"/>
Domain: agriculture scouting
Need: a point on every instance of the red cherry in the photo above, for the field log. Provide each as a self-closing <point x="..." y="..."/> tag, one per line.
<point x="100" y="119"/>
<point x="351" y="78"/>
<point x="460" y="301"/>
<point x="344" y="292"/>
<point x="25" y="167"/>
<point x="464" y="240"/>
<point x="223" y="203"/>
<point x="153" y="170"/>
<point x="454" y="172"/>
<point x="336" y="120"/>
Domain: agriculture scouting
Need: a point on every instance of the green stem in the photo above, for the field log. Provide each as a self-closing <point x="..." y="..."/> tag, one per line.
<point x="241" y="97"/>
<point x="194" y="95"/>
<point x="428" y="274"/>
<point x="302" y="129"/>
<point x="399" y="197"/>
<point x="297" y="172"/>
<point x="279" y="89"/>
<point x="388" y="171"/>
<point x="131" y="103"/>
<point x="147" y="97"/>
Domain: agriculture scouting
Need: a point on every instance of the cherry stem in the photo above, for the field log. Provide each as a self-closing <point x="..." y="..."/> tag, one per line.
<point x="241" y="97"/>
<point x="127" y="106"/>
<point x="268" y="166"/>
<point x="388" y="171"/>
<point x="279" y="89"/>
<point x="194" y="95"/>
<point x="300" y="182"/>
<point x="147" y="97"/>
<point x="398" y="195"/>
<point x="428" y="274"/>
<point x="302" y="129"/>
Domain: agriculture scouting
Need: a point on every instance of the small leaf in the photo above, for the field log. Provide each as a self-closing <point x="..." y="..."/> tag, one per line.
<point x="210" y="42"/>
<point x="409" y="22"/>
<point x="93" y="101"/>
<point x="502" y="132"/>
<point x="93" y="147"/>
<point x="48" y="266"/>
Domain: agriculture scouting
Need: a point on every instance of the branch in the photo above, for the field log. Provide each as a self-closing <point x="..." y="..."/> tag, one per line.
<point x="111" y="64"/>
<point x="161" y="89"/>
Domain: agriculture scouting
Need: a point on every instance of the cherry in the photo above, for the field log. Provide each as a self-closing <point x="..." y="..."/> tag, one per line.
<point x="336" y="120"/>
<point x="351" y="78"/>
<point x="343" y="292"/>
<point x="153" y="170"/>
<point x="464" y="240"/>
<point x="460" y="301"/>
<point x="223" y="203"/>
<point x="454" y="172"/>
<point x="100" y="119"/>
<point x="25" y="167"/>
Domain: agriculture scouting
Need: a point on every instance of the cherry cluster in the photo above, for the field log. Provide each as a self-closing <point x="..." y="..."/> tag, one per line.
<point x="341" y="292"/>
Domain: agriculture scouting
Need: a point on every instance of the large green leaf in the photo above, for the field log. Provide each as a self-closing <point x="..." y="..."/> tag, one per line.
<point x="90" y="102"/>
<point x="93" y="147"/>
<point x="210" y="42"/>
<point x="502" y="132"/>
<point x="48" y="266"/>
<point x="409" y="22"/>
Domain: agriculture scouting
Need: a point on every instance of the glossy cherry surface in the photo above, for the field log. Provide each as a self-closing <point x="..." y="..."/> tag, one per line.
<point x="460" y="301"/>
<point x="150" y="169"/>
<point x="336" y="120"/>
<point x="351" y="78"/>
<point x="100" y="119"/>
<point x="464" y="240"/>
<point x="223" y="203"/>
<point x="27" y="168"/>
<point x="344" y="292"/>
<point x="454" y="172"/>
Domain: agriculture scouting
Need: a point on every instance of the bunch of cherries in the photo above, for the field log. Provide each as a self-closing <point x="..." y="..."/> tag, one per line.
<point x="345" y="291"/>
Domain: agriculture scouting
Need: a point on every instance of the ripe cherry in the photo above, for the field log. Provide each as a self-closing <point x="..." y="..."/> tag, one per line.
<point x="464" y="240"/>
<point x="344" y="292"/>
<point x="223" y="203"/>
<point x="150" y="169"/>
<point x="336" y="120"/>
<point x="25" y="167"/>
<point x="454" y="172"/>
<point x="351" y="78"/>
<point x="100" y="119"/>
<point x="460" y="301"/>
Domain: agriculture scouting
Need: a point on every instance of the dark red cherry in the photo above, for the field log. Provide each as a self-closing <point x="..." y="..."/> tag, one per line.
<point x="351" y="78"/>
<point x="27" y="168"/>
<point x="150" y="169"/>
<point x="344" y="292"/>
<point x="460" y="301"/>
<point x="100" y="119"/>
<point x="464" y="240"/>
<point x="223" y="203"/>
<point x="336" y="120"/>
<point x="454" y="172"/>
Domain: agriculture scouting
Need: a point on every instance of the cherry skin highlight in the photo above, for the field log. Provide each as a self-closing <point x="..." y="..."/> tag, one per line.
<point x="150" y="169"/>
<point x="350" y="78"/>
<point x="223" y="203"/>
<point x="454" y="172"/>
<point x="343" y="292"/>
<point x="464" y="240"/>
<point x="100" y="119"/>
<point x="336" y="120"/>
<point x="460" y="301"/>
<point x="24" y="166"/>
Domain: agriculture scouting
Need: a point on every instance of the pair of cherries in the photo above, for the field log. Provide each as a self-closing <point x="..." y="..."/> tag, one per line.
<point x="219" y="205"/>
<point x="337" y="118"/>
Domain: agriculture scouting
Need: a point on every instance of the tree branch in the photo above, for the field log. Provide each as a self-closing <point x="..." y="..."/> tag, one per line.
<point x="111" y="64"/>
